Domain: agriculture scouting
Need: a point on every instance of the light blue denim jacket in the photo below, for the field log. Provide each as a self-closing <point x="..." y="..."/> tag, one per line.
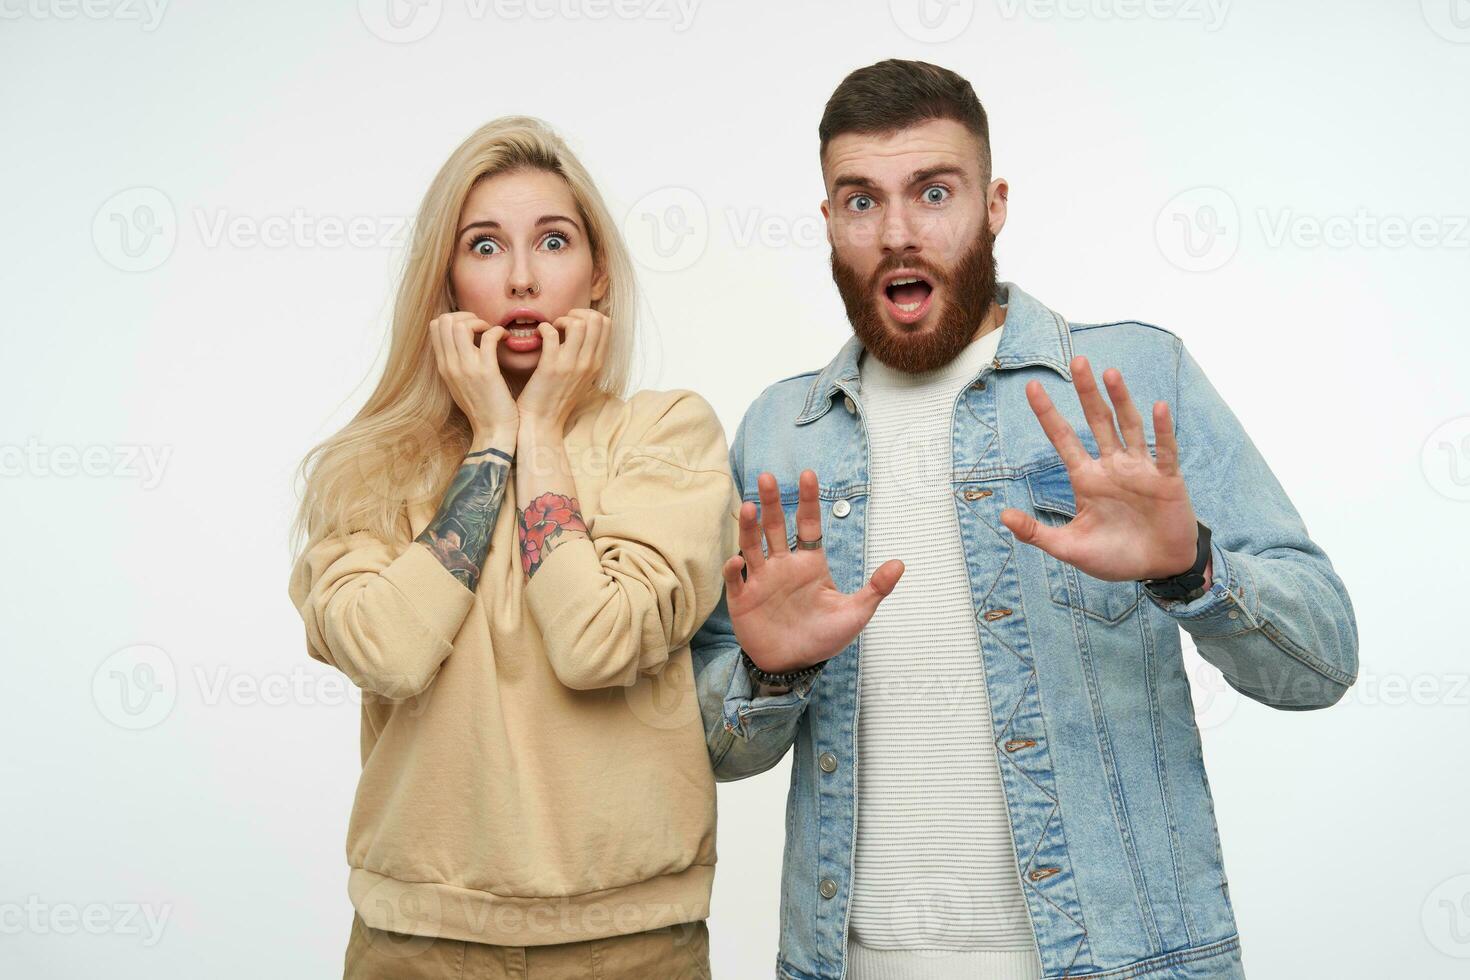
<point x="1117" y="850"/>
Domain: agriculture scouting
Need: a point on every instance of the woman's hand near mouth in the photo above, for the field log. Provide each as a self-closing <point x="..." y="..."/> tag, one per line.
<point x="567" y="371"/>
<point x="548" y="513"/>
<point x="473" y="376"/>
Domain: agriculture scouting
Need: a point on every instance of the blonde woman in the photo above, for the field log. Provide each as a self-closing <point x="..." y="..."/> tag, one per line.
<point x="509" y="556"/>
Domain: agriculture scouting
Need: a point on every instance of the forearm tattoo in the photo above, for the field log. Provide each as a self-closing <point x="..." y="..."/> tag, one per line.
<point x="542" y="527"/>
<point x="459" y="534"/>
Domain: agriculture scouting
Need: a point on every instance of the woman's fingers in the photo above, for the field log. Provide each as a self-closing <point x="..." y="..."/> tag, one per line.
<point x="490" y="349"/>
<point x="573" y="332"/>
<point x="434" y="342"/>
<point x="587" y="362"/>
<point x="463" y="338"/>
<point x="604" y="341"/>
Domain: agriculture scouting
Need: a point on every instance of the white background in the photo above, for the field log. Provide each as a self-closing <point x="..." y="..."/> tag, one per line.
<point x="181" y="321"/>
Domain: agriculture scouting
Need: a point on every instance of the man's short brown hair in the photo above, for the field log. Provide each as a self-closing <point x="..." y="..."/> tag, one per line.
<point x="894" y="94"/>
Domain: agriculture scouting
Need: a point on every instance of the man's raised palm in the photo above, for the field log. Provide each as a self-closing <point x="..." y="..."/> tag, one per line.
<point x="787" y="612"/>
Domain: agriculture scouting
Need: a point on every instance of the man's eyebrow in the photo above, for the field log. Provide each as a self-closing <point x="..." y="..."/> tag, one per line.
<point x="850" y="180"/>
<point x="917" y="177"/>
<point x="942" y="170"/>
<point x="545" y="219"/>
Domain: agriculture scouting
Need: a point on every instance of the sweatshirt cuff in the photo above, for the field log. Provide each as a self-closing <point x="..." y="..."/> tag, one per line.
<point x="441" y="600"/>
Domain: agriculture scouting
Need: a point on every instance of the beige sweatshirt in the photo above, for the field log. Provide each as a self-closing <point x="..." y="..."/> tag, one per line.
<point x="534" y="767"/>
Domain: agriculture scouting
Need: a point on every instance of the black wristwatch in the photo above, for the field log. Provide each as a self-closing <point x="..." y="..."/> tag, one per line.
<point x="1189" y="584"/>
<point x="787" y="679"/>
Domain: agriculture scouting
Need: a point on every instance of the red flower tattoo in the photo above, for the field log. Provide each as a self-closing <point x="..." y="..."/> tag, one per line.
<point x="541" y="523"/>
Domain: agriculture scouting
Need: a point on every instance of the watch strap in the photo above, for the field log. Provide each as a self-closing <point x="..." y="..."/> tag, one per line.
<point x="1189" y="584"/>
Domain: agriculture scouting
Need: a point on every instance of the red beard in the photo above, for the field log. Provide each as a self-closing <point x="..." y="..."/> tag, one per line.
<point x="966" y="291"/>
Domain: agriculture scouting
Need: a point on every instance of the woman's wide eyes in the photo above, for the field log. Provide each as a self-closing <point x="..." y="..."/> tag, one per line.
<point x="553" y="242"/>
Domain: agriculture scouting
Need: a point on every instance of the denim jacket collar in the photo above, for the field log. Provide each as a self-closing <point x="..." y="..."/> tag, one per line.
<point x="1033" y="335"/>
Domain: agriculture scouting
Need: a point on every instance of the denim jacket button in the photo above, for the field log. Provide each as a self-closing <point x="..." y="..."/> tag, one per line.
<point x="841" y="508"/>
<point x="828" y="888"/>
<point x="827" y="761"/>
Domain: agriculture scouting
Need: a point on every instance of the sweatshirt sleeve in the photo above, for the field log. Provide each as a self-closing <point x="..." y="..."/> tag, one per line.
<point x="385" y="616"/>
<point x="615" y="605"/>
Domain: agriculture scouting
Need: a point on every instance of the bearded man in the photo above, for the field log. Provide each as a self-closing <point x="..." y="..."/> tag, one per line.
<point x="997" y="772"/>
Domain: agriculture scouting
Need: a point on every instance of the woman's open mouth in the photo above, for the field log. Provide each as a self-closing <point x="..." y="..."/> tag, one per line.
<point x="908" y="297"/>
<point x="521" y="334"/>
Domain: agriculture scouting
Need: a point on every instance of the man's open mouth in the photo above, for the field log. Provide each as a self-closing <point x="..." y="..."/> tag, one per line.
<point x="908" y="296"/>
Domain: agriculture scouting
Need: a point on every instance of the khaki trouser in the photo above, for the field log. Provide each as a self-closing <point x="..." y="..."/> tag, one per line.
<point x="678" y="952"/>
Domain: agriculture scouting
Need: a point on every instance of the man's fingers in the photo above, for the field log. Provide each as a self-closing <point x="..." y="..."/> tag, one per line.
<point x="1166" y="449"/>
<point x="750" y="537"/>
<point x="1031" y="531"/>
<point x="885" y="578"/>
<point x="1057" y="430"/>
<point x="773" y="515"/>
<point x="1129" y="421"/>
<point x="1099" y="416"/>
<point x="808" y="509"/>
<point x="734" y="584"/>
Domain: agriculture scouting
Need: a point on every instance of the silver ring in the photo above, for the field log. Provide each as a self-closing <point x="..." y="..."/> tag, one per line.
<point x="809" y="545"/>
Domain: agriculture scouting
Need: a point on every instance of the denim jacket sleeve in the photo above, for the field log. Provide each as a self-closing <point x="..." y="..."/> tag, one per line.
<point x="1276" y="620"/>
<point x="746" y="734"/>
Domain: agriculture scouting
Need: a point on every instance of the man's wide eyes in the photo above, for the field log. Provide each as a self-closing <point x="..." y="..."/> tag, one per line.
<point x="860" y="202"/>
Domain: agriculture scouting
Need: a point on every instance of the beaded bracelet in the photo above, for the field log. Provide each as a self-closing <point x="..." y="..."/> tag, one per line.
<point x="781" y="680"/>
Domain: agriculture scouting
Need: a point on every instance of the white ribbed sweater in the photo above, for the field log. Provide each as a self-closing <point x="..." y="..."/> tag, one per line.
<point x="936" y="892"/>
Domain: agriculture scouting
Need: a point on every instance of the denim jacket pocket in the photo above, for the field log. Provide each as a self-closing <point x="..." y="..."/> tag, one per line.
<point x="1055" y="505"/>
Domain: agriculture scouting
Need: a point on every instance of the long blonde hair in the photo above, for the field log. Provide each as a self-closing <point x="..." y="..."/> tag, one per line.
<point x="407" y="441"/>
